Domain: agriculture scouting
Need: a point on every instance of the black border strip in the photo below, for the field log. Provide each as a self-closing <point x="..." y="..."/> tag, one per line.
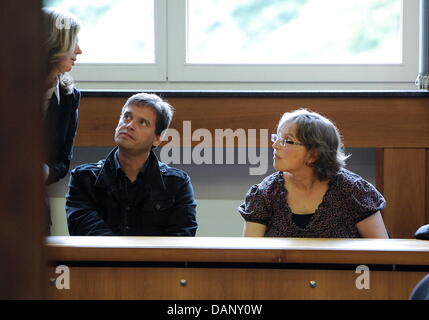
<point x="260" y="94"/>
<point x="238" y="265"/>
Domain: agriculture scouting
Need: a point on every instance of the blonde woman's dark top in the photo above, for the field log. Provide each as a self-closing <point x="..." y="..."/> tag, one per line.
<point x="61" y="121"/>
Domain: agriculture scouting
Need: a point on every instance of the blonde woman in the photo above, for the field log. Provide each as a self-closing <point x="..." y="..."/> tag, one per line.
<point x="61" y="98"/>
<point x="312" y="195"/>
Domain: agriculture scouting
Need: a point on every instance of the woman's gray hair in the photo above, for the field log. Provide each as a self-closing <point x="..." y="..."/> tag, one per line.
<point x="164" y="111"/>
<point x="60" y="30"/>
<point x="321" y="137"/>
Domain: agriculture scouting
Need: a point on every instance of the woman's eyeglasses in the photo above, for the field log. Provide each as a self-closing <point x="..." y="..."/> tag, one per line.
<point x="284" y="142"/>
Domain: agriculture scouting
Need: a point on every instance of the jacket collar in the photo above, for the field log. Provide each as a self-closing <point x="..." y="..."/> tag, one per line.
<point x="107" y="176"/>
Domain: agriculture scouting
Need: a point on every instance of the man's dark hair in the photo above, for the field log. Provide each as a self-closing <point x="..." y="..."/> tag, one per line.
<point x="164" y="111"/>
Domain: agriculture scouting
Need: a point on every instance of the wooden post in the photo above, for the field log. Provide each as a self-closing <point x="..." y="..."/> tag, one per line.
<point x="405" y="179"/>
<point x="23" y="217"/>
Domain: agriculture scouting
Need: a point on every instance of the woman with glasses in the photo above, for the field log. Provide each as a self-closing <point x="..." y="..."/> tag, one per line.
<point x="312" y="195"/>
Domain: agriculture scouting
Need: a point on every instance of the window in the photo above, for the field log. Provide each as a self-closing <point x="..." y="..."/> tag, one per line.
<point x="247" y="40"/>
<point x="113" y="30"/>
<point x="121" y="40"/>
<point x="294" y="32"/>
<point x="378" y="41"/>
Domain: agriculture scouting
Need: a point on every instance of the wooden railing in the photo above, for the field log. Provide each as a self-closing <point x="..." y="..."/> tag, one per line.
<point x="234" y="268"/>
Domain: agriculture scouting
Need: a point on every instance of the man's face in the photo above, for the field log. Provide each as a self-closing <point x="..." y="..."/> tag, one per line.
<point x="136" y="129"/>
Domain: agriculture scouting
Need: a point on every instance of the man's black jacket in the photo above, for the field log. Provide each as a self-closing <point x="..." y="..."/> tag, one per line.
<point x="164" y="206"/>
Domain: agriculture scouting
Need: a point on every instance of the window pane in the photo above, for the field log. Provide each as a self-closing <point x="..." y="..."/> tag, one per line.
<point x="294" y="31"/>
<point x="113" y="31"/>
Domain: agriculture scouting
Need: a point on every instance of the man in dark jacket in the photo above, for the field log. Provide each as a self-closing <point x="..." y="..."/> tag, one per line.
<point x="131" y="193"/>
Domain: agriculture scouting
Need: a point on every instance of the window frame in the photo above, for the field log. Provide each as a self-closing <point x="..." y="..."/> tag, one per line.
<point x="171" y="66"/>
<point x="132" y="72"/>
<point x="179" y="70"/>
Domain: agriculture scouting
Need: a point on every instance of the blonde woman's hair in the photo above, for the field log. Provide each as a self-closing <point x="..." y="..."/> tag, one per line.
<point x="59" y="38"/>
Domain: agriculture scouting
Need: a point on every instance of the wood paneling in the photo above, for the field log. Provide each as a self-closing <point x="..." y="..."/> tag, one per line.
<point x="405" y="180"/>
<point x="379" y="169"/>
<point x="231" y="284"/>
<point x="98" y="118"/>
<point x="106" y="268"/>
<point x="363" y="122"/>
<point x="23" y="219"/>
<point x="427" y="187"/>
